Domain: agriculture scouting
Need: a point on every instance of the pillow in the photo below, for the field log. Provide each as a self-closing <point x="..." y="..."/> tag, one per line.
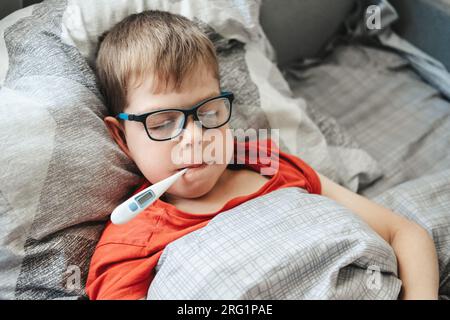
<point x="301" y="29"/>
<point x="5" y="23"/>
<point x="62" y="174"/>
<point x="83" y="21"/>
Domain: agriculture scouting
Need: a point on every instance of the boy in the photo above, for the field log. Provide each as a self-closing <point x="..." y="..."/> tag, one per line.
<point x="152" y="68"/>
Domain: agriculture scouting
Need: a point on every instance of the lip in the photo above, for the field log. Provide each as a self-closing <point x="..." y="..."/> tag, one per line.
<point x="193" y="166"/>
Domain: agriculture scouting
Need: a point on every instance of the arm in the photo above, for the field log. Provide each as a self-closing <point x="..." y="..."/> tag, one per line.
<point x="120" y="272"/>
<point x="414" y="248"/>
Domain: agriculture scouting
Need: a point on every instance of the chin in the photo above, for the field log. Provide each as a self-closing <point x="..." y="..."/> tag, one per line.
<point x="192" y="190"/>
<point x="195" y="192"/>
<point x="198" y="182"/>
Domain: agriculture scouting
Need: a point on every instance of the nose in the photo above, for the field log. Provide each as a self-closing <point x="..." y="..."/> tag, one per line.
<point x="192" y="134"/>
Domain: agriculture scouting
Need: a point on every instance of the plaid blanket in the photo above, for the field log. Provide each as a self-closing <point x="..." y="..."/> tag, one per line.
<point x="287" y="244"/>
<point x="290" y="244"/>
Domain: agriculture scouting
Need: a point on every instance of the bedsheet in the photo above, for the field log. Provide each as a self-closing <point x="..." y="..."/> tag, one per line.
<point x="386" y="107"/>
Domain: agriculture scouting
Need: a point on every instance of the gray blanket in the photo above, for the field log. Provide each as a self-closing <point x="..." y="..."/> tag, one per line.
<point x="289" y="244"/>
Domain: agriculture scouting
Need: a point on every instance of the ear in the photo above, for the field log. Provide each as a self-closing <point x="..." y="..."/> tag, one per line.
<point x="117" y="132"/>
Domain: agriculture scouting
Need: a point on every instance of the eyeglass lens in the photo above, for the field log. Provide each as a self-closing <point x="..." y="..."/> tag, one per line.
<point x="168" y="124"/>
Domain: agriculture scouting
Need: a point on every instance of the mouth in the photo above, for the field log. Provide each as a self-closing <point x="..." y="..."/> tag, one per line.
<point x="193" y="166"/>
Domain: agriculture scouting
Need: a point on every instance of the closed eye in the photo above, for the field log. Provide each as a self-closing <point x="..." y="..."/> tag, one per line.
<point x="208" y="113"/>
<point x="161" y="125"/>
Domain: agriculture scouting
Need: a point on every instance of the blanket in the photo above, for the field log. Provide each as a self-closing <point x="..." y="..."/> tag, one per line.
<point x="289" y="244"/>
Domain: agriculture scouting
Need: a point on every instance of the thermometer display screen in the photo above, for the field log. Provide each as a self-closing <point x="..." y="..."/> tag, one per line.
<point x="143" y="198"/>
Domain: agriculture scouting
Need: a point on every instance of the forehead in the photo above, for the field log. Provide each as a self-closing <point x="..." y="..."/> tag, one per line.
<point x="196" y="87"/>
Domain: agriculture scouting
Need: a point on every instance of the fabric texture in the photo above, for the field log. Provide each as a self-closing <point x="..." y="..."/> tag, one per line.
<point x="430" y="69"/>
<point x="419" y="20"/>
<point x="123" y="264"/>
<point x="289" y="244"/>
<point x="401" y="121"/>
<point x="55" y="149"/>
<point x="426" y="200"/>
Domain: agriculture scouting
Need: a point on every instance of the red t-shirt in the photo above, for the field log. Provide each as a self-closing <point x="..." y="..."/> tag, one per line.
<point x="123" y="263"/>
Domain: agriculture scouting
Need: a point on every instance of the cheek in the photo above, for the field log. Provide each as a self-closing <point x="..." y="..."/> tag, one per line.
<point x="227" y="144"/>
<point x="153" y="158"/>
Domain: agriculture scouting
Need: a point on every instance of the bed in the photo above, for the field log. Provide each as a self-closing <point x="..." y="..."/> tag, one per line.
<point x="365" y="117"/>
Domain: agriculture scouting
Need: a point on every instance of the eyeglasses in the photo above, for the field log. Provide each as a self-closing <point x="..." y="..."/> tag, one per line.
<point x="167" y="124"/>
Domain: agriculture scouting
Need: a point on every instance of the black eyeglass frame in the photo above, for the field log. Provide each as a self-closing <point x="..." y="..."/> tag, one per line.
<point x="187" y="112"/>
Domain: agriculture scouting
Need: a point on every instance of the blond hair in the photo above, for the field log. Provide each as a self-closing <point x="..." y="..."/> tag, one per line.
<point x="167" y="46"/>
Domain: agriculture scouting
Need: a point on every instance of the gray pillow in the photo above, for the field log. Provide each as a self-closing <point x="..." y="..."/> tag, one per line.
<point x="300" y="29"/>
<point x="61" y="172"/>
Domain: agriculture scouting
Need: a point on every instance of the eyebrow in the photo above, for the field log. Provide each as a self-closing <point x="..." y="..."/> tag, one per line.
<point x="208" y="96"/>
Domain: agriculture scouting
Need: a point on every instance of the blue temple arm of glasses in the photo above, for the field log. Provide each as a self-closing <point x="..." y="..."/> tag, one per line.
<point x="123" y="116"/>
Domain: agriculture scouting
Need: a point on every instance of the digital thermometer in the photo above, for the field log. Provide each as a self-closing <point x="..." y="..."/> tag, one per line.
<point x="138" y="202"/>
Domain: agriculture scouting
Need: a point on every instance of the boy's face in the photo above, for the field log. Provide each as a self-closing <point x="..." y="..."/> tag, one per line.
<point x="158" y="159"/>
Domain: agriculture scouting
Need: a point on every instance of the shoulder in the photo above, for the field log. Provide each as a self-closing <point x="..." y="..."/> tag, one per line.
<point x="295" y="167"/>
<point x="265" y="156"/>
